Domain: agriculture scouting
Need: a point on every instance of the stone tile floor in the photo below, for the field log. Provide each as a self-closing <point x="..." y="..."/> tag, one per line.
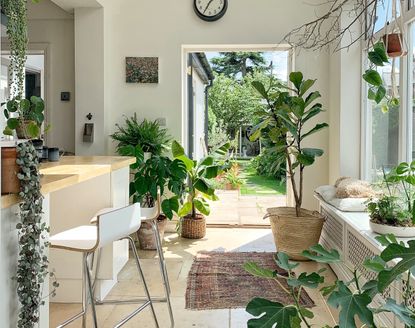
<point x="179" y="254"/>
<point x="234" y="209"/>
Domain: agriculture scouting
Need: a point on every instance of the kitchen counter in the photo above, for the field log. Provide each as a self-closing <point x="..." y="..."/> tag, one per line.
<point x="71" y="170"/>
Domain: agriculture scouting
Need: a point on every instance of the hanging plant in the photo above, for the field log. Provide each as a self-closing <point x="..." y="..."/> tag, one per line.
<point x="32" y="266"/>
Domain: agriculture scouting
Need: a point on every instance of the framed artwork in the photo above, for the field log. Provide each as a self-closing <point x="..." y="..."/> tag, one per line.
<point x="142" y="69"/>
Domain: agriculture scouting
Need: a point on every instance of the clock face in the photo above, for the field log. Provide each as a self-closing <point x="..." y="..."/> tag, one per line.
<point x="210" y="10"/>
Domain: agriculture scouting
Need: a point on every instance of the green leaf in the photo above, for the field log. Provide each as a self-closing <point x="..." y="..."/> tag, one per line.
<point x="258" y="86"/>
<point x="12" y="123"/>
<point x="386" y="240"/>
<point x="311" y="97"/>
<point x="327" y="290"/>
<point x="371" y="288"/>
<point x="306" y="85"/>
<point x="315" y="110"/>
<point x="371" y="94"/>
<point x="305" y="159"/>
<point x="185" y="209"/>
<point x="254" y="269"/>
<point x="407" y="262"/>
<point x="404" y="315"/>
<point x="296" y="78"/>
<point x="126" y="150"/>
<point x="202" y="206"/>
<point x="24" y="105"/>
<point x="319" y="254"/>
<point x="177" y="149"/>
<point x="12" y="106"/>
<point x="380" y="94"/>
<point x="7" y="131"/>
<point x="375" y="264"/>
<point x="351" y="306"/>
<point x="169" y="206"/>
<point x="317" y="128"/>
<point x="283" y="262"/>
<point x="270" y="313"/>
<point x="378" y="55"/>
<point x="211" y="172"/>
<point x="312" y="280"/>
<point x="373" y="77"/>
<point x="33" y="130"/>
<point x="222" y="150"/>
<point x="315" y="152"/>
<point x="207" y="161"/>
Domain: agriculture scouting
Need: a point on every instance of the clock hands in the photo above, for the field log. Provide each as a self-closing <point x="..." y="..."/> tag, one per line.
<point x="208" y="5"/>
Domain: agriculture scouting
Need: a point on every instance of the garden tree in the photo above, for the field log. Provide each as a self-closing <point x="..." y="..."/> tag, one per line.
<point x="232" y="64"/>
<point x="232" y="103"/>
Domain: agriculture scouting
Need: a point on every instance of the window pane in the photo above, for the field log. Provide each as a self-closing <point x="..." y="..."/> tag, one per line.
<point x="384" y="13"/>
<point x="385" y="127"/>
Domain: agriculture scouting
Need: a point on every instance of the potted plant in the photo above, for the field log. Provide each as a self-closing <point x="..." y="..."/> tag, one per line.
<point x="394" y="211"/>
<point x="152" y="139"/>
<point x="198" y="189"/>
<point x="153" y="178"/>
<point x="232" y="178"/>
<point x="353" y="299"/>
<point x="284" y="121"/>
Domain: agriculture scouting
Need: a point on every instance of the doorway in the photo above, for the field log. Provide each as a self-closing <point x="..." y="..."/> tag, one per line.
<point x="219" y="107"/>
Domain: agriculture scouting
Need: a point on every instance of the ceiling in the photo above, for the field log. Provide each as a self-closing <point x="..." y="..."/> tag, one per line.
<point x="70" y="5"/>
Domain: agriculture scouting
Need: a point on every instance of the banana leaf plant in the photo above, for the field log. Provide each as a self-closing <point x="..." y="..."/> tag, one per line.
<point x="25" y="116"/>
<point x="198" y="188"/>
<point x="156" y="173"/>
<point x="285" y="121"/>
<point x="352" y="298"/>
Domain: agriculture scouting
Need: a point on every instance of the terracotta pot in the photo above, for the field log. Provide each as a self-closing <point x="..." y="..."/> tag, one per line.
<point x="393" y="43"/>
<point x="10" y="184"/>
<point x="292" y="234"/>
<point x="193" y="228"/>
<point x="145" y="234"/>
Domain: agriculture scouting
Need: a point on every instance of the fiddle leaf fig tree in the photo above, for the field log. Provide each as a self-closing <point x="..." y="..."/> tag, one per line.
<point x="285" y="120"/>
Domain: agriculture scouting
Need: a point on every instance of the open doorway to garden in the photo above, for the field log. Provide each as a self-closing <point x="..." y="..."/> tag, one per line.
<point x="222" y="106"/>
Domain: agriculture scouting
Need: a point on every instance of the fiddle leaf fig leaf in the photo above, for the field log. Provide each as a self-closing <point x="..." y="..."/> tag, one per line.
<point x="269" y="313"/>
<point x="407" y="262"/>
<point x="296" y="78"/>
<point x="351" y="306"/>
<point x="306" y="85"/>
<point x="321" y="255"/>
<point x="259" y="86"/>
<point x="317" y="128"/>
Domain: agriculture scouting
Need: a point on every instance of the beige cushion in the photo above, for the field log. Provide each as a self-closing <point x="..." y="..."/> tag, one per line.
<point x="353" y="188"/>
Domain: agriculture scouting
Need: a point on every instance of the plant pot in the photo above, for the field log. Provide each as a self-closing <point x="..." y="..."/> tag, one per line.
<point x="20" y="130"/>
<point x="383" y="229"/>
<point x="145" y="234"/>
<point x="292" y="234"/>
<point x="10" y="184"/>
<point x="229" y="186"/>
<point x="193" y="228"/>
<point x="393" y="43"/>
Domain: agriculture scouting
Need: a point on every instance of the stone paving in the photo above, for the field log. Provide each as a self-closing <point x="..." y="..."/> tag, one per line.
<point x="234" y="209"/>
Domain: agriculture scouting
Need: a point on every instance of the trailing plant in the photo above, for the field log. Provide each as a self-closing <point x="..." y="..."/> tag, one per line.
<point x="352" y="298"/>
<point x="377" y="91"/>
<point x="32" y="266"/>
<point x="198" y="187"/>
<point x="284" y="121"/>
<point x="146" y="134"/>
<point x="26" y="116"/>
<point x="156" y="173"/>
<point x="396" y="206"/>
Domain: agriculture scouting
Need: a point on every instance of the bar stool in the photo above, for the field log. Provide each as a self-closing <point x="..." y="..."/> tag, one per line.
<point x="110" y="227"/>
<point x="162" y="262"/>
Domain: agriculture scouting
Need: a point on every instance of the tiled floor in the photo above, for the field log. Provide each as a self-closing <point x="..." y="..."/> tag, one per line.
<point x="179" y="254"/>
<point x="234" y="209"/>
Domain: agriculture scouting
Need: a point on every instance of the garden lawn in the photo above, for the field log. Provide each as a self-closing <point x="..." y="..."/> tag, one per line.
<point x="256" y="185"/>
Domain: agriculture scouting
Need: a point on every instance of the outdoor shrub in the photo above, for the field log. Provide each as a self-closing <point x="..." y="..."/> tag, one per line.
<point x="269" y="163"/>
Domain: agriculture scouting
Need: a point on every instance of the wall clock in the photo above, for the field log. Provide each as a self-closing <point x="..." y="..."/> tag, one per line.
<point x="210" y="10"/>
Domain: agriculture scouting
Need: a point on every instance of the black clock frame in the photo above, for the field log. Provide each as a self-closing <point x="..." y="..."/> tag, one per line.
<point x="210" y="18"/>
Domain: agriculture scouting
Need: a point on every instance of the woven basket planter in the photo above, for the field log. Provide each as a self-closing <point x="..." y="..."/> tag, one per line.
<point x="193" y="228"/>
<point x="292" y="234"/>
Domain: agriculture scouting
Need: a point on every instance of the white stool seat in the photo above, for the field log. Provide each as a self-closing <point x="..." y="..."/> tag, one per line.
<point x="83" y="238"/>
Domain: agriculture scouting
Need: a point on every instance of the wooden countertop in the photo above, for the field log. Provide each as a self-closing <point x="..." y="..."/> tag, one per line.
<point x="71" y="170"/>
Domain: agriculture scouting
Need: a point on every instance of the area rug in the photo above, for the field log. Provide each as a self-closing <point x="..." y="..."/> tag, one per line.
<point x="218" y="280"/>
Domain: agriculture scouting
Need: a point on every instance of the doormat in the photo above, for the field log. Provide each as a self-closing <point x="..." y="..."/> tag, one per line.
<point x="218" y="280"/>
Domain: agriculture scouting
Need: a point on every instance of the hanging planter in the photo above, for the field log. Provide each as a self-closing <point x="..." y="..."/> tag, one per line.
<point x="394" y="45"/>
<point x="393" y="33"/>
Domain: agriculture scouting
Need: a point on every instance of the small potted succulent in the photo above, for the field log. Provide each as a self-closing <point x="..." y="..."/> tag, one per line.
<point x="198" y="189"/>
<point x="394" y="210"/>
<point x="153" y="178"/>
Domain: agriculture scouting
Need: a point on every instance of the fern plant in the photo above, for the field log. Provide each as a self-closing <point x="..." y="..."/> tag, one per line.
<point x="149" y="135"/>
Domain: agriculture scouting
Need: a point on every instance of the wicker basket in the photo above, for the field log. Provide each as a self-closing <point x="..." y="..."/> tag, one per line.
<point x="193" y="228"/>
<point x="292" y="234"/>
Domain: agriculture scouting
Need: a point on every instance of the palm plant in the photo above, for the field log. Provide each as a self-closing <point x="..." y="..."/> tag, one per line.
<point x="147" y="134"/>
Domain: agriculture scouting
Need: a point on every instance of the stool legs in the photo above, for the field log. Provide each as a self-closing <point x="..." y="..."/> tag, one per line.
<point x="163" y="270"/>
<point x="90" y="290"/>
<point x="140" y="271"/>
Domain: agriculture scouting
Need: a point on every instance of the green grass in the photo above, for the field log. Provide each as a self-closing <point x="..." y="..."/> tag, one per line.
<point x="256" y="185"/>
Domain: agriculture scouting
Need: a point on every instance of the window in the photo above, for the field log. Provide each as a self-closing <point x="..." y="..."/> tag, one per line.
<point x="384" y="13"/>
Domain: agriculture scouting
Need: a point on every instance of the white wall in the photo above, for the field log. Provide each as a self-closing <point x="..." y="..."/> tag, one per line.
<point x="160" y="28"/>
<point x="52" y="29"/>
